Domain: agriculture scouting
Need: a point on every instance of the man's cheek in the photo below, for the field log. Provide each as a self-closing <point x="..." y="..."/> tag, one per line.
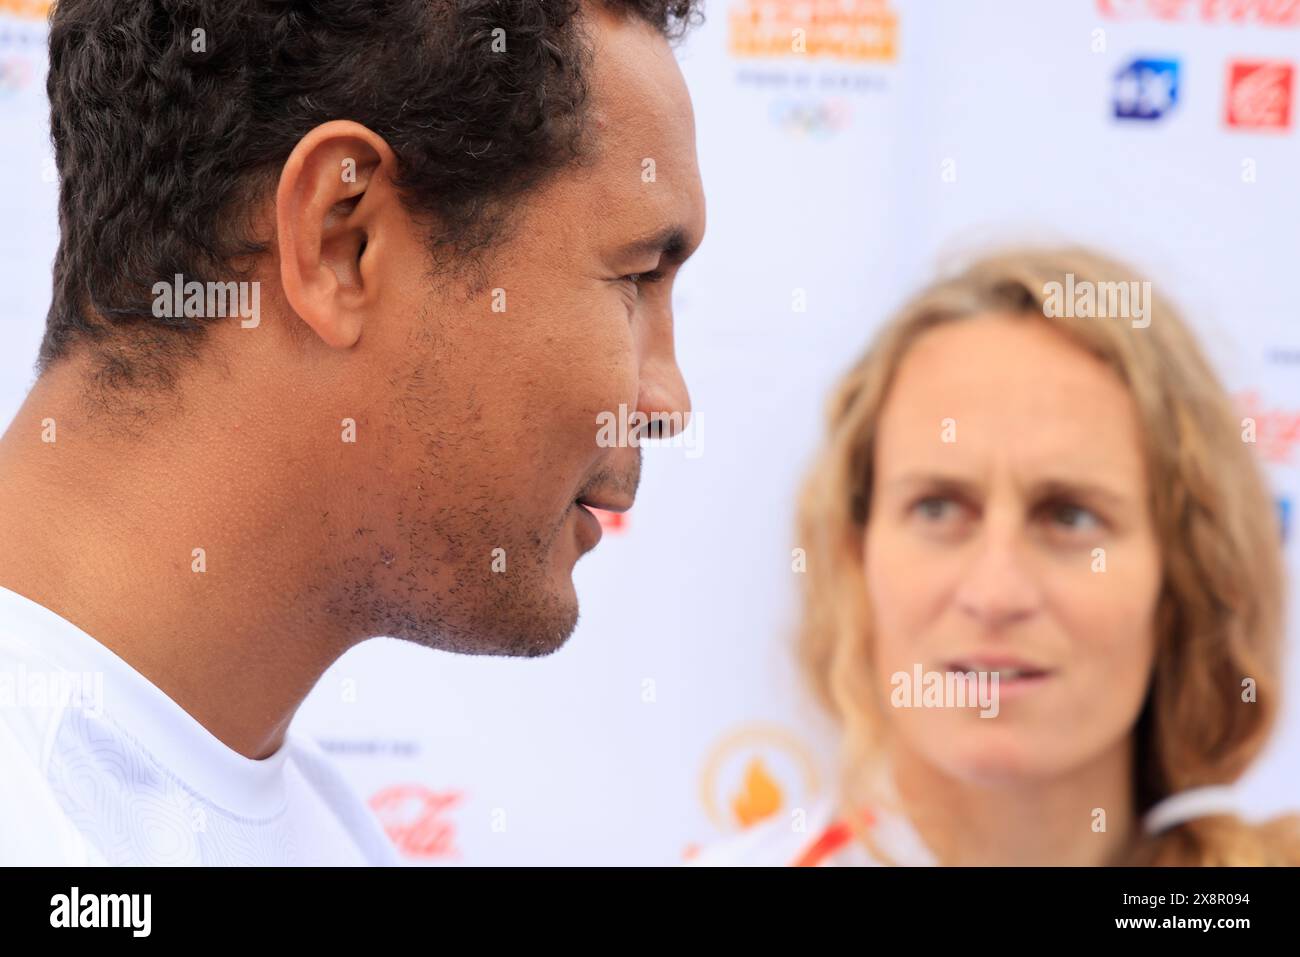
<point x="609" y="414"/>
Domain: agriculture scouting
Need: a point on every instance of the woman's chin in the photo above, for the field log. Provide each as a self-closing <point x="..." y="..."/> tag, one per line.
<point x="994" y="763"/>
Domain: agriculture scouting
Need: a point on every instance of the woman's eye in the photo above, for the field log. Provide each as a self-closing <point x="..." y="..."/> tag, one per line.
<point x="941" y="518"/>
<point x="1073" y="517"/>
<point x="933" y="507"/>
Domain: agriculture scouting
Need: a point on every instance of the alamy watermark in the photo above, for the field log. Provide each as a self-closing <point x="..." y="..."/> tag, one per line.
<point x="208" y="300"/>
<point x="946" y="689"/>
<point x="1085" y="299"/>
<point x="130" y="911"/>
<point x="623" y="429"/>
<point x="24" y="688"/>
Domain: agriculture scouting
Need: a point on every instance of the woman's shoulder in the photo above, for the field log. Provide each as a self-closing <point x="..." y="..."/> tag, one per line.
<point x="799" y="837"/>
<point x="821" y="836"/>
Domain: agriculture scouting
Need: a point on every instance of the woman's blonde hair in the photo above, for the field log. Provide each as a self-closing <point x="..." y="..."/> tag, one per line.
<point x="1220" y="610"/>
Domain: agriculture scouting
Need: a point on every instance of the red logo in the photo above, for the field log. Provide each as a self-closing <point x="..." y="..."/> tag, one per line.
<point x="1275" y="430"/>
<point x="1259" y="95"/>
<point x="1265" y="13"/>
<point x="411" y="813"/>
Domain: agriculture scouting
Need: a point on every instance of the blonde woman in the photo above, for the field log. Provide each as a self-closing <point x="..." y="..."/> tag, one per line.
<point x="1055" y="500"/>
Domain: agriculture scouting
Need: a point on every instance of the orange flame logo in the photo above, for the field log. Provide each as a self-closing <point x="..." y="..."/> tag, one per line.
<point x="760" y="795"/>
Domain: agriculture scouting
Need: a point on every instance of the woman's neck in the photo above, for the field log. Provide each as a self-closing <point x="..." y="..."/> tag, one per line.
<point x="1086" y="817"/>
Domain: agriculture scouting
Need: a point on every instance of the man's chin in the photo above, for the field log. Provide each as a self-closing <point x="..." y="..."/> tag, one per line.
<point x="520" y="629"/>
<point x="547" y="631"/>
<point x="536" y="639"/>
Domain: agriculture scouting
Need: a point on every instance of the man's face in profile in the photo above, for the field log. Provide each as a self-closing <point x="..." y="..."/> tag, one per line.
<point x="480" y="399"/>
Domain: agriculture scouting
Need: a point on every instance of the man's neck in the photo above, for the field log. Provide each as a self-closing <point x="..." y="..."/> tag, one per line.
<point x="170" y="549"/>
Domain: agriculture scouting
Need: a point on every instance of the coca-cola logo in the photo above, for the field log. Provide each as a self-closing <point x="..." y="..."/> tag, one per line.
<point x="1268" y="13"/>
<point x="1275" y="431"/>
<point x="416" y="820"/>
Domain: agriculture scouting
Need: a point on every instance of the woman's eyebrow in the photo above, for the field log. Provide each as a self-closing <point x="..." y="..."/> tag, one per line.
<point x="934" y="480"/>
<point x="1055" y="487"/>
<point x="1076" y="488"/>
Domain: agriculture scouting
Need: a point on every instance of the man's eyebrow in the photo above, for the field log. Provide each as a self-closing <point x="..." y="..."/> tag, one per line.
<point x="673" y="244"/>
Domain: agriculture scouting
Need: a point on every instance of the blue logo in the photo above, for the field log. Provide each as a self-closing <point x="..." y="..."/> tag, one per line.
<point x="1146" y="89"/>
<point x="1284" y="517"/>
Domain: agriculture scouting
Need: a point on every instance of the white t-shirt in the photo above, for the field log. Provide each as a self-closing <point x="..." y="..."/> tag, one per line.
<point x="99" y="766"/>
<point x="819" y="838"/>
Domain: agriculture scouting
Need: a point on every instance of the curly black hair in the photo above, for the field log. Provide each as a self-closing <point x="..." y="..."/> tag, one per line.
<point x="171" y="117"/>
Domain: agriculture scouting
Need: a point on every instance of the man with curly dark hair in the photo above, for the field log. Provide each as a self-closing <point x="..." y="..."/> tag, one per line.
<point x="343" y="294"/>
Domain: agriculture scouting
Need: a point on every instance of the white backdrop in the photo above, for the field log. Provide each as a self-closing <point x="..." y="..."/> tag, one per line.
<point x="840" y="177"/>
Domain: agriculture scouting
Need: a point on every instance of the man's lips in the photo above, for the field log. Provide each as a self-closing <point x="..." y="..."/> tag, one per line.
<point x="589" y="530"/>
<point x="610" y="503"/>
<point x="589" y="524"/>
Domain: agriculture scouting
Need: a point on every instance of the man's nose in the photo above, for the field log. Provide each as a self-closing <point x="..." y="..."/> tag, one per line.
<point x="663" y="397"/>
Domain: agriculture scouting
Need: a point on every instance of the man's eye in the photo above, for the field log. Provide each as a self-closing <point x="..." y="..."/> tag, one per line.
<point x="637" y="278"/>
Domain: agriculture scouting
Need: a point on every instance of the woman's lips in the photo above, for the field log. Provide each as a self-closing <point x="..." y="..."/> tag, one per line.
<point x="1014" y="675"/>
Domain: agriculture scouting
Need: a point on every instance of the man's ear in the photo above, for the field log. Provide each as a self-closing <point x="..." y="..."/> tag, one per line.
<point x="327" y="206"/>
